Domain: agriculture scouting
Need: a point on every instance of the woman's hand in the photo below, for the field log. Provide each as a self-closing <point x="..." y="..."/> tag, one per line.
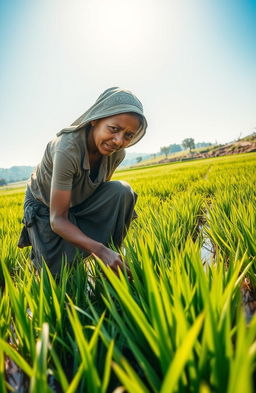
<point x="109" y="258"/>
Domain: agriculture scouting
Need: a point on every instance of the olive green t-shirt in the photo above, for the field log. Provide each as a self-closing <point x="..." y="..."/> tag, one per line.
<point x="65" y="166"/>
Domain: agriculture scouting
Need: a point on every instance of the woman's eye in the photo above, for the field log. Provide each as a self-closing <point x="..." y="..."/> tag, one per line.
<point x="114" y="129"/>
<point x="129" y="136"/>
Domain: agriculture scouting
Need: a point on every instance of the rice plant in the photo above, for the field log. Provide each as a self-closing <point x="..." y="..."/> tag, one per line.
<point x="177" y="324"/>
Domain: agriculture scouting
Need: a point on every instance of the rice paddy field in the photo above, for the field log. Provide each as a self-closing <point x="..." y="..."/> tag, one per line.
<point x="183" y="322"/>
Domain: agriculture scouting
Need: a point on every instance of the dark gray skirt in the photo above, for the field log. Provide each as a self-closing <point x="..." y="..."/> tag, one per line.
<point x="105" y="217"/>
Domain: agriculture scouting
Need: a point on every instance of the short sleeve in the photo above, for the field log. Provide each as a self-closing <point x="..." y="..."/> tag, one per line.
<point x="64" y="169"/>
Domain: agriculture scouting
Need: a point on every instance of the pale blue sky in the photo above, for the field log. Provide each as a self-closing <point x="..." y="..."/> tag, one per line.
<point x="191" y="63"/>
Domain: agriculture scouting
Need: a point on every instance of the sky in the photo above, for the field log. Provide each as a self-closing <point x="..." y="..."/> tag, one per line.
<point x="191" y="63"/>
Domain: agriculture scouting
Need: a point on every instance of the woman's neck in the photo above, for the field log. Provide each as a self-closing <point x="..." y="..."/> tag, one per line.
<point x="91" y="147"/>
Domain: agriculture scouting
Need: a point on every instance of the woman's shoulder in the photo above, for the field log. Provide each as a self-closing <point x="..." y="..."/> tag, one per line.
<point x="69" y="142"/>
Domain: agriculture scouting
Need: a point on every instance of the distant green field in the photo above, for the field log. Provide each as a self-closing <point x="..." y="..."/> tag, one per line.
<point x="13" y="187"/>
<point x="184" y="323"/>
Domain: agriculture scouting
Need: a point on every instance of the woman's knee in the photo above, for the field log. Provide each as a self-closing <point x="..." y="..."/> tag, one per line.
<point x="121" y="188"/>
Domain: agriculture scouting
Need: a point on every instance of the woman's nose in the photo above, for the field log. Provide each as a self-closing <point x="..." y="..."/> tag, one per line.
<point x="118" y="139"/>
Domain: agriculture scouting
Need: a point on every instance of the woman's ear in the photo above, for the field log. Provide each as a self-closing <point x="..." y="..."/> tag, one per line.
<point x="93" y="122"/>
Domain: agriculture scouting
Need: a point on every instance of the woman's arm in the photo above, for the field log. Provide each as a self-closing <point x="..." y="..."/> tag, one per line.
<point x="60" y="224"/>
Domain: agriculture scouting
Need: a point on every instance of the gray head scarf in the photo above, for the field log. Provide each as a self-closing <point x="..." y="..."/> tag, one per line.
<point x="111" y="102"/>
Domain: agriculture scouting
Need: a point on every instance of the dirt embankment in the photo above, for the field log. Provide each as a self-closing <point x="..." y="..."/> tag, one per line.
<point x="241" y="146"/>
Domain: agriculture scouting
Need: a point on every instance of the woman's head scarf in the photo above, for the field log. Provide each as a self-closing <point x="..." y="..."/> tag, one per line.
<point x="112" y="101"/>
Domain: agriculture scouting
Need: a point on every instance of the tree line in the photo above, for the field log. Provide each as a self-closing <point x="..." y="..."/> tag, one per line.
<point x="187" y="143"/>
<point x="15" y="173"/>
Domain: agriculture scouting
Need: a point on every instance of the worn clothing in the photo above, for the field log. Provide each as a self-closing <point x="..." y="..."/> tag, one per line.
<point x="65" y="166"/>
<point x="105" y="217"/>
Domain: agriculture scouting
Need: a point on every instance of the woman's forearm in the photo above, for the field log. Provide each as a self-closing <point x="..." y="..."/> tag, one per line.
<point x="70" y="232"/>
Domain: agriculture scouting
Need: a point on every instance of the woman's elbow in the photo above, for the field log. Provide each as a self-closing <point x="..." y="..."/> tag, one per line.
<point x="52" y="223"/>
<point x="55" y="223"/>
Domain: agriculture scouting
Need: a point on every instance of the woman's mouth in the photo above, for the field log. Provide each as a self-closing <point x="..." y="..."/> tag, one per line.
<point x="109" y="148"/>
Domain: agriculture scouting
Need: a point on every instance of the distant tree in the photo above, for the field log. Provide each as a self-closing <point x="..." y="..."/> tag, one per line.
<point x="188" y="143"/>
<point x="2" y="182"/>
<point x="165" y="150"/>
<point x="174" y="148"/>
<point x="138" y="159"/>
<point x="203" y="144"/>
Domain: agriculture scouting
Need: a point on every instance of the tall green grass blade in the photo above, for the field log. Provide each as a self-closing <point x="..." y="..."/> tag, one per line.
<point x="129" y="378"/>
<point x="132" y="307"/>
<point x="16" y="357"/>
<point x="181" y="357"/>
<point x="107" y="370"/>
<point x="2" y="373"/>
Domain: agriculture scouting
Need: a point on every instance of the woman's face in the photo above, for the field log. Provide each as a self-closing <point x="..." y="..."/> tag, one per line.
<point x="112" y="133"/>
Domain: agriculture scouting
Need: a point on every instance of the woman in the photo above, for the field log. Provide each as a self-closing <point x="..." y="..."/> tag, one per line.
<point x="70" y="206"/>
